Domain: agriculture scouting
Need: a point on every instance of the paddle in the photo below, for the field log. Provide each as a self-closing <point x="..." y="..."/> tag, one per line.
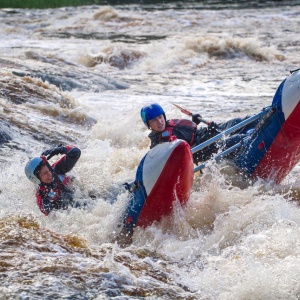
<point x="187" y="112"/>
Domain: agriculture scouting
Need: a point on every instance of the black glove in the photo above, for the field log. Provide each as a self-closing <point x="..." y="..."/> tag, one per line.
<point x="196" y="118"/>
<point x="55" y="151"/>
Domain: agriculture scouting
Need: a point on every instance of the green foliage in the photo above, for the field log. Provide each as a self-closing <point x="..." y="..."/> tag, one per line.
<point x="46" y="3"/>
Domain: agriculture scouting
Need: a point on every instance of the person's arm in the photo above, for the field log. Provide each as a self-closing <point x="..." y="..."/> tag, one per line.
<point x="68" y="161"/>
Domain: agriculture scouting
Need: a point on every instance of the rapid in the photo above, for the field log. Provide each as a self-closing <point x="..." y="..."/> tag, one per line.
<point x="79" y="76"/>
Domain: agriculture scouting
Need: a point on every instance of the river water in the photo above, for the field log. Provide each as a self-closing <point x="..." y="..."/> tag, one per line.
<point x="80" y="76"/>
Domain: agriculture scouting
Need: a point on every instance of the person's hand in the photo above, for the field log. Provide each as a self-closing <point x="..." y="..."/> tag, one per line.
<point x="55" y="151"/>
<point x="196" y="118"/>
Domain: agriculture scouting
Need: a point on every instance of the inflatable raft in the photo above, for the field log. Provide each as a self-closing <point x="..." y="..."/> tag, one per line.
<point x="270" y="151"/>
<point x="274" y="147"/>
<point x="164" y="175"/>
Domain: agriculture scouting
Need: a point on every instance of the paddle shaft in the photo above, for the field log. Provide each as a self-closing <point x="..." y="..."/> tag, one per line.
<point x="187" y="112"/>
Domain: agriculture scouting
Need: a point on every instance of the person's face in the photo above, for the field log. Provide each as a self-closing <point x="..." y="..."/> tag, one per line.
<point x="157" y="124"/>
<point x="45" y="175"/>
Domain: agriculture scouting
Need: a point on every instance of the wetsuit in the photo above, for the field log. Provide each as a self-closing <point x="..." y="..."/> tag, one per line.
<point x="183" y="129"/>
<point x="57" y="195"/>
<point x="187" y="131"/>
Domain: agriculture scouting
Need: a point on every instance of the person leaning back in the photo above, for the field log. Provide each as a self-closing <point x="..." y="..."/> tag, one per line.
<point x="53" y="192"/>
<point x="154" y="118"/>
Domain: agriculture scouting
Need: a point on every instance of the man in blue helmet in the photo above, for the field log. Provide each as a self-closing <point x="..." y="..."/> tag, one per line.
<point x="53" y="191"/>
<point x="162" y="129"/>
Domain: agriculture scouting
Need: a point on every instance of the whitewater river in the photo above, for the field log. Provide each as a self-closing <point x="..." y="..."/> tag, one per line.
<point x="80" y="76"/>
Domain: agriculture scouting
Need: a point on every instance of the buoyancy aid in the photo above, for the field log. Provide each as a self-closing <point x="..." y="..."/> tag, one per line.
<point x="181" y="128"/>
<point x="55" y="195"/>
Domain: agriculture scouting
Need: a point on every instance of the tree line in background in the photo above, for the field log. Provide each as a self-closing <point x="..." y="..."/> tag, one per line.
<point x="63" y="3"/>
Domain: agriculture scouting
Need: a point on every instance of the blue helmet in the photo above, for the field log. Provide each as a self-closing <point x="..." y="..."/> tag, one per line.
<point x="150" y="112"/>
<point x="32" y="168"/>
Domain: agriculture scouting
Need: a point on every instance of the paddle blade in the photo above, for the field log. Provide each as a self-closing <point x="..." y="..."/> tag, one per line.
<point x="185" y="111"/>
